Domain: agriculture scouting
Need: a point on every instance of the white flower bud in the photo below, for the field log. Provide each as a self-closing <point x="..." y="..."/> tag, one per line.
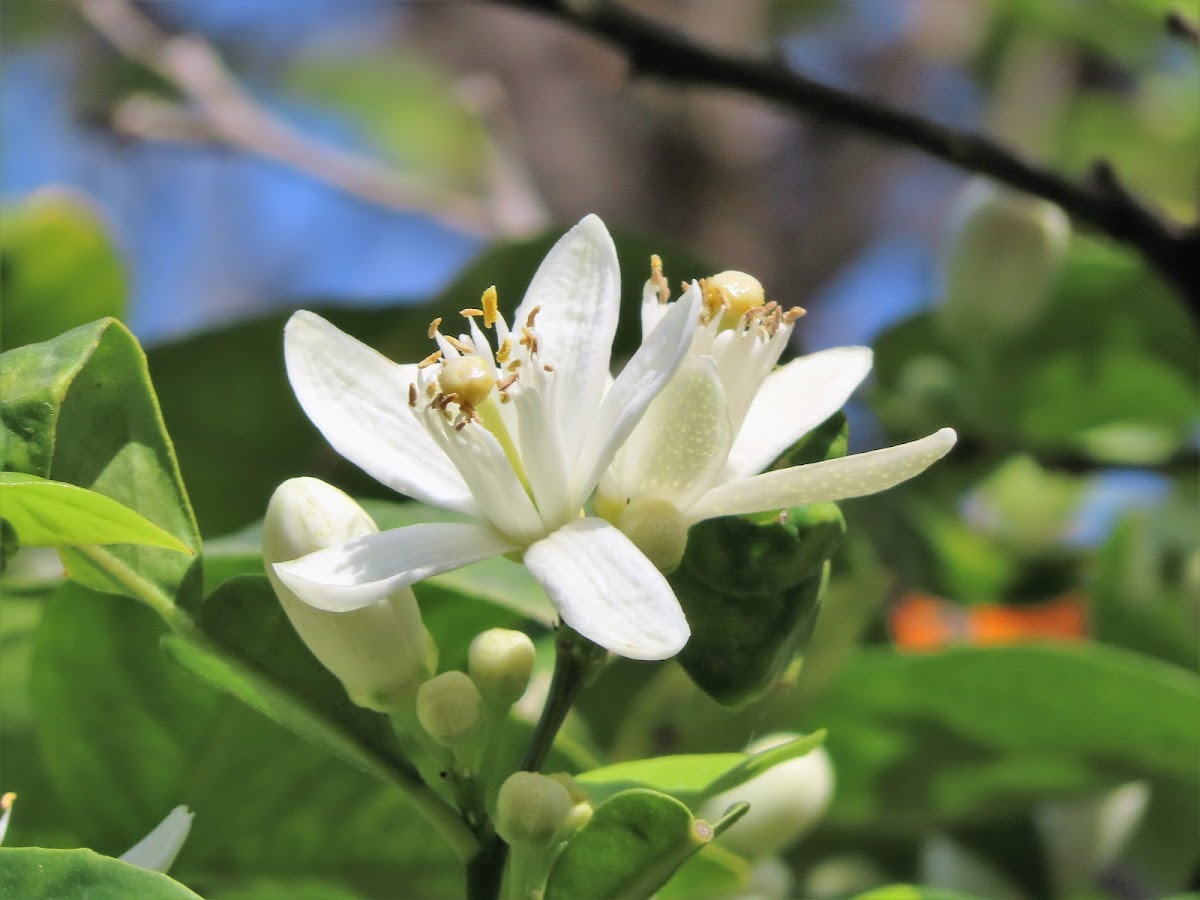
<point x="1084" y="836"/>
<point x="500" y="662"/>
<point x="449" y="708"/>
<point x="1003" y="258"/>
<point x="380" y="653"/>
<point x="531" y="808"/>
<point x="785" y="801"/>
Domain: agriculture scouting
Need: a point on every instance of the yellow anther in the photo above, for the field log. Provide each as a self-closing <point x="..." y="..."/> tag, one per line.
<point x="548" y="367"/>
<point x="430" y="359"/>
<point x="504" y="351"/>
<point x="433" y="327"/>
<point x="460" y="346"/>
<point x="658" y="279"/>
<point x="793" y="314"/>
<point x="532" y="315"/>
<point x="412" y="394"/>
<point x="491" y="309"/>
<point x="469" y="312"/>
<point x="736" y="292"/>
<point x="506" y="383"/>
<point x="468" y="379"/>
<point x="430" y="389"/>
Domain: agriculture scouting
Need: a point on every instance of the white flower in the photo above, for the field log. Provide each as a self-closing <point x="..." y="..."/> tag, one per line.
<point x="726" y="416"/>
<point x="515" y="437"/>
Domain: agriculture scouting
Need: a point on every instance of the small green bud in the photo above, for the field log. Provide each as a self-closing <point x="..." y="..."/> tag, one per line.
<point x="449" y="708"/>
<point x="1004" y="256"/>
<point x="500" y="662"/>
<point x="531" y="808"/>
<point x="380" y="653"/>
<point x="785" y="801"/>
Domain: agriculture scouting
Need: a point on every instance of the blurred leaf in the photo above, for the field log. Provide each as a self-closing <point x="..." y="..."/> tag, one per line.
<point x="912" y="892"/>
<point x="32" y="873"/>
<point x="81" y="409"/>
<point x="408" y="109"/>
<point x="266" y="432"/>
<point x="692" y="779"/>
<point x="965" y="735"/>
<point x="50" y="513"/>
<point x="58" y="269"/>
<point x="119" y="720"/>
<point x="631" y="846"/>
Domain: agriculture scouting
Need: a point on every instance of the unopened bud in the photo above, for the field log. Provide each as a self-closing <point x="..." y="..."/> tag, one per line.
<point x="785" y="801"/>
<point x="500" y="662"/>
<point x="449" y="708"/>
<point x="380" y="653"/>
<point x="1003" y="259"/>
<point x="531" y="808"/>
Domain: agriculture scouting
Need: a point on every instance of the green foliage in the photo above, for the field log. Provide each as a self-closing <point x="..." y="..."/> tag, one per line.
<point x="632" y="845"/>
<point x="81" y="409"/>
<point x="52" y="514"/>
<point x="36" y="874"/>
<point x="58" y="268"/>
<point x="692" y="778"/>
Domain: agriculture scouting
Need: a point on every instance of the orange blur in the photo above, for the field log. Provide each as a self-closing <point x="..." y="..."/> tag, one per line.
<point x="921" y="621"/>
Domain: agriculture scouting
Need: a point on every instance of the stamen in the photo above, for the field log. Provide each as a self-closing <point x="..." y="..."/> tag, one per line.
<point x="433" y="327"/>
<point x="461" y="424"/>
<point x="794" y="313"/>
<point x="548" y="368"/>
<point x="491" y="309"/>
<point x="506" y="383"/>
<point x="532" y="315"/>
<point x="469" y="312"/>
<point x="430" y="389"/>
<point x="658" y="279"/>
<point x="459" y="345"/>
<point x="431" y="358"/>
<point x="504" y="398"/>
<point x="530" y="339"/>
<point x="504" y="352"/>
<point x="412" y="394"/>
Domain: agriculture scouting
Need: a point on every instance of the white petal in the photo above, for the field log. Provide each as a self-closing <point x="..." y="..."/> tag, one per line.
<point x="358" y="399"/>
<point x="157" y="850"/>
<point x="643" y="377"/>
<point x="653" y="309"/>
<point x="547" y="468"/>
<point x="372" y="567"/>
<point x="605" y="589"/>
<point x="833" y="479"/>
<point x="682" y="441"/>
<point x="578" y="287"/>
<point x="793" y="400"/>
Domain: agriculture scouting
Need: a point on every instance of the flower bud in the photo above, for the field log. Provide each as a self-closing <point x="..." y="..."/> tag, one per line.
<point x="380" y="653"/>
<point x="785" y="801"/>
<point x="449" y="708"/>
<point x="530" y="808"/>
<point x="1084" y="836"/>
<point x="657" y="529"/>
<point x="1003" y="258"/>
<point x="500" y="662"/>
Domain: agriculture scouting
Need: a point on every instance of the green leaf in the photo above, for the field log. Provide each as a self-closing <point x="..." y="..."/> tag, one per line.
<point x="117" y="719"/>
<point x="713" y="872"/>
<point x="59" y="268"/>
<point x="912" y="892"/>
<point x="632" y="845"/>
<point x="34" y="873"/>
<point x="693" y="778"/>
<point x="51" y="514"/>
<point x="80" y="409"/>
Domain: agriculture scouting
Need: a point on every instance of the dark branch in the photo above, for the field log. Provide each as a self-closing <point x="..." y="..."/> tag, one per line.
<point x="1181" y="26"/>
<point x="1099" y="201"/>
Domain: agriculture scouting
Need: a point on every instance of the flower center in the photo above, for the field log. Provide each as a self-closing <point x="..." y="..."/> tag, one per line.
<point x="468" y="378"/>
<point x="734" y="293"/>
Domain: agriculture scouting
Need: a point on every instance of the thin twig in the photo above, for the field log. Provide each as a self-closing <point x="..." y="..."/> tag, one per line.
<point x="1099" y="200"/>
<point x="222" y="110"/>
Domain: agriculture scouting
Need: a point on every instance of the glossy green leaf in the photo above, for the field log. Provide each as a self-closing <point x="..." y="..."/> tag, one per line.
<point x="632" y="845"/>
<point x="712" y="872"/>
<point x="692" y="778"/>
<point x="912" y="892"/>
<point x="80" y="409"/>
<point x="117" y="718"/>
<point x="34" y="873"/>
<point x="51" y="514"/>
<point x="60" y="269"/>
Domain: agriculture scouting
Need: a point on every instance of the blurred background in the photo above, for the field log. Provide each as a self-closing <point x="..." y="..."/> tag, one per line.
<point x="196" y="168"/>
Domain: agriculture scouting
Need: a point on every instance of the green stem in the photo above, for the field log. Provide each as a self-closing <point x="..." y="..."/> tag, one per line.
<point x="576" y="662"/>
